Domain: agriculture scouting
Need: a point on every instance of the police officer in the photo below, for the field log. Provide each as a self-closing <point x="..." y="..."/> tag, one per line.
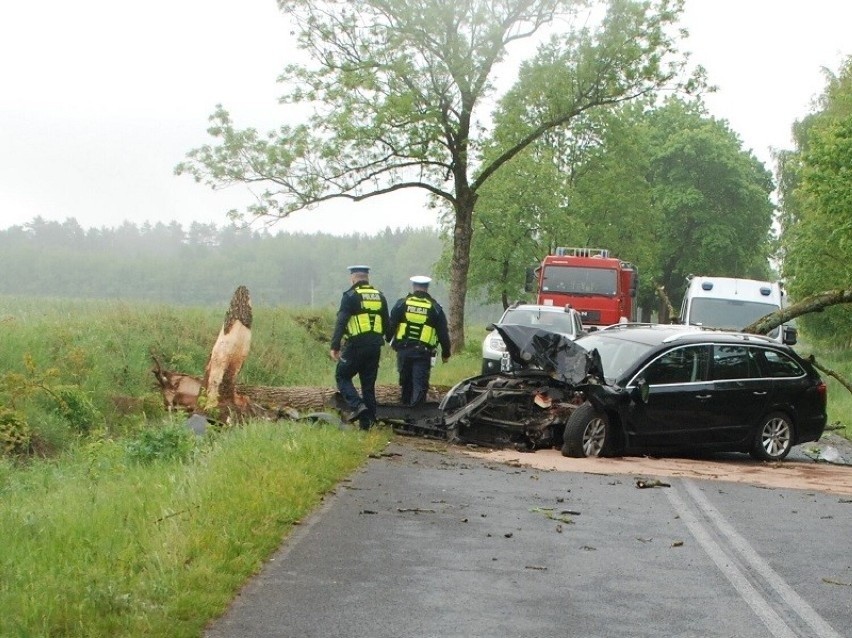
<point x="362" y="319"/>
<point x="417" y="325"/>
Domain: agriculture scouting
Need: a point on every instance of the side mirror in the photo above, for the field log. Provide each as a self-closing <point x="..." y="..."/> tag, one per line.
<point x="529" y="280"/>
<point x="489" y="327"/>
<point x="790" y="335"/>
<point x="643" y="390"/>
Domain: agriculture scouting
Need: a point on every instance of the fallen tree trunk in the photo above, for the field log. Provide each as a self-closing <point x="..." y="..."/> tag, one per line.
<point x="181" y="392"/>
<point x="814" y="303"/>
<point x="313" y="398"/>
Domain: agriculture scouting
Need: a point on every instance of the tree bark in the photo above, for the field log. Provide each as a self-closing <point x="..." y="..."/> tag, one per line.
<point x="460" y="265"/>
<point x="315" y="398"/>
<point x="667" y="311"/>
<point x="181" y="391"/>
<point x="228" y="355"/>
<point x="814" y="303"/>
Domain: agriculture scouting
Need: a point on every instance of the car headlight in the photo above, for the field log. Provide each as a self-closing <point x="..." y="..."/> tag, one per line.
<point x="497" y="344"/>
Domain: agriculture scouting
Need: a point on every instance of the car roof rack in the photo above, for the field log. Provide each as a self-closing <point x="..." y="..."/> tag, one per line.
<point x="741" y="336"/>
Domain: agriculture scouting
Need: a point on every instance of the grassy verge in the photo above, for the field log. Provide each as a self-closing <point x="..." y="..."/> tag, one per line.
<point x="98" y="545"/>
<point x="839" y="398"/>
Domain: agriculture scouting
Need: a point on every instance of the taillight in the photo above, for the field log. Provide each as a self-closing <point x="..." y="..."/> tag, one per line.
<point x="822" y="391"/>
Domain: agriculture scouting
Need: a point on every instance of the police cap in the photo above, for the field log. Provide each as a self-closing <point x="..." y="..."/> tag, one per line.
<point x="421" y="280"/>
<point x="359" y="269"/>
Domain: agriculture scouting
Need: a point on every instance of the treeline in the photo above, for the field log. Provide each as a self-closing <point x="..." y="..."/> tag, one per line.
<point x="203" y="264"/>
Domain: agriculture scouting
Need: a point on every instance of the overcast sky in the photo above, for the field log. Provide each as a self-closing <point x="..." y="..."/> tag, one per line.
<point x="100" y="99"/>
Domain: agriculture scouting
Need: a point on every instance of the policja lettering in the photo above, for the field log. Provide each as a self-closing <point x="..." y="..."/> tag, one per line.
<point x="417" y="310"/>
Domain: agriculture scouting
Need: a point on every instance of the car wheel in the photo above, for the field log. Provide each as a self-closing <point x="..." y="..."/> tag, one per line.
<point x="587" y="433"/>
<point x="774" y="437"/>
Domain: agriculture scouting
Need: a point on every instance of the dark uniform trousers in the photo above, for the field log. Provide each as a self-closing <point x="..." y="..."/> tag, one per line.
<point x="361" y="357"/>
<point x="414" y="364"/>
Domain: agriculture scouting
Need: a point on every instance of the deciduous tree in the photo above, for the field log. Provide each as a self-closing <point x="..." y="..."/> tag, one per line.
<point x="399" y="90"/>
<point x="816" y="197"/>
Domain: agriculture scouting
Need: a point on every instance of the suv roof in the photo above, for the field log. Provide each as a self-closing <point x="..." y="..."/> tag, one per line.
<point x="539" y="307"/>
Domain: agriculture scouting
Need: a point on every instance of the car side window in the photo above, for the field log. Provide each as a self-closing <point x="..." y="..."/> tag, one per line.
<point x="777" y="364"/>
<point x="734" y="362"/>
<point x="681" y="365"/>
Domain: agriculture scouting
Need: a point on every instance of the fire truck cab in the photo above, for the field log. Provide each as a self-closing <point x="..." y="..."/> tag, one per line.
<point x="600" y="287"/>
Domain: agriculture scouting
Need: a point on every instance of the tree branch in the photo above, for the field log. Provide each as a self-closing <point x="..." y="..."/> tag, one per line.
<point x="814" y="303"/>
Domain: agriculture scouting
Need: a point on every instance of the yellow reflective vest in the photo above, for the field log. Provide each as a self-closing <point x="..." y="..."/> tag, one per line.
<point x="369" y="319"/>
<point x="415" y="327"/>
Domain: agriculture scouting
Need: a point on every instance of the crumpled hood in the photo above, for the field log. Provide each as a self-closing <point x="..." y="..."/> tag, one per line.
<point x="554" y="353"/>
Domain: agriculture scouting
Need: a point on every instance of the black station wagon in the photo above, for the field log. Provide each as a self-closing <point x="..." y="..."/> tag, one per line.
<point x="677" y="388"/>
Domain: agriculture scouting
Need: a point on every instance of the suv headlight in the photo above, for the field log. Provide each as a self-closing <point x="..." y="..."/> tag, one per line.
<point x="497" y="344"/>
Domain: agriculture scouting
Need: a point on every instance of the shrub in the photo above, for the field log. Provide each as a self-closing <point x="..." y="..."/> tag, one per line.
<point x="169" y="442"/>
<point x="15" y="436"/>
<point x="77" y="408"/>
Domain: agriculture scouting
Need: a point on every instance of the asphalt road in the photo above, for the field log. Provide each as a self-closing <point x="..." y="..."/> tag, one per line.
<point x="426" y="542"/>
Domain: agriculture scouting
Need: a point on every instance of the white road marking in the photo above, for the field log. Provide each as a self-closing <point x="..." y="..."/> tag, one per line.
<point x="741" y="545"/>
<point x="736" y="576"/>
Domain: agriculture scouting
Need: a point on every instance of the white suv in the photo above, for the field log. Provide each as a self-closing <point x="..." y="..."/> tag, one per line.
<point x="565" y="321"/>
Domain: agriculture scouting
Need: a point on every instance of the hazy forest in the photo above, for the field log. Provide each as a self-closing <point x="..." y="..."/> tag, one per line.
<point x="203" y="264"/>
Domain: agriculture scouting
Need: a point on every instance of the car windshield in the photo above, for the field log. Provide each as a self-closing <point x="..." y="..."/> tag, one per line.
<point x="729" y="314"/>
<point x="554" y="321"/>
<point x="580" y="281"/>
<point x="617" y="354"/>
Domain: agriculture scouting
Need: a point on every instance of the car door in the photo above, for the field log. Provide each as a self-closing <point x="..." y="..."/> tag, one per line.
<point x="676" y="413"/>
<point x="740" y="392"/>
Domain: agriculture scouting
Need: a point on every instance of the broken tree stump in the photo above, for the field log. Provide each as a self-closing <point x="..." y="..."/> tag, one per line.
<point x="228" y="355"/>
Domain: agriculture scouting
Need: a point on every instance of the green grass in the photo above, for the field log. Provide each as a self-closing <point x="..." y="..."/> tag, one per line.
<point x="839" y="398"/>
<point x="95" y="545"/>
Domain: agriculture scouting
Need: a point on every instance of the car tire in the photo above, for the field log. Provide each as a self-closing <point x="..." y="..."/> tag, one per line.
<point x="774" y="438"/>
<point x="587" y="433"/>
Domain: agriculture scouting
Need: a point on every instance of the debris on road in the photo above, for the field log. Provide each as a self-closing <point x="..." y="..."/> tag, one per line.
<point x="644" y="484"/>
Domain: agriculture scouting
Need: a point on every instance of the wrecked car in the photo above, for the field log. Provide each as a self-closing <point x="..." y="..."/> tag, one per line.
<point x="527" y="406"/>
<point x="672" y="388"/>
<point x="641" y="387"/>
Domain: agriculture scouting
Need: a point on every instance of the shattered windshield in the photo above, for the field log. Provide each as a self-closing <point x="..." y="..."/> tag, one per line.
<point x="616" y="355"/>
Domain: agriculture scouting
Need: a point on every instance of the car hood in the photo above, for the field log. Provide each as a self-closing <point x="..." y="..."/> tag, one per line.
<point x="553" y="352"/>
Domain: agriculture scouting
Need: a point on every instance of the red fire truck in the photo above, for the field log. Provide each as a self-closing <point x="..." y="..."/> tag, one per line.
<point x="600" y="287"/>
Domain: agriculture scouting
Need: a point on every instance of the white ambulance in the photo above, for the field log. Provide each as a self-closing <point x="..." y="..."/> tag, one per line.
<point x="728" y="303"/>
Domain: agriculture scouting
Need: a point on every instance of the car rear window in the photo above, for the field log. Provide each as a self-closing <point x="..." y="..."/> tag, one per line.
<point x="777" y="364"/>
